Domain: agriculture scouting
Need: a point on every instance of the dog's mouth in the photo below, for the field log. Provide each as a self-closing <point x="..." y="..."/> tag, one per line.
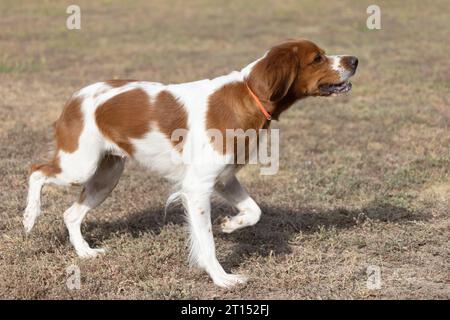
<point x="339" y="88"/>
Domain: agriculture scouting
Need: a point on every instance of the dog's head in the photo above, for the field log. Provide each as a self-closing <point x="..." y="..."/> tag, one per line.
<point x="297" y="69"/>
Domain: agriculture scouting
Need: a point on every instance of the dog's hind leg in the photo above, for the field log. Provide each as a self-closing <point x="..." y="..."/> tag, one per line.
<point x="40" y="175"/>
<point x="93" y="194"/>
<point x="65" y="170"/>
<point x="249" y="212"/>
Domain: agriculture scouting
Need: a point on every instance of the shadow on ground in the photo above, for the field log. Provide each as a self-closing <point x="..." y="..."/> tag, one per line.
<point x="278" y="226"/>
<point x="271" y="235"/>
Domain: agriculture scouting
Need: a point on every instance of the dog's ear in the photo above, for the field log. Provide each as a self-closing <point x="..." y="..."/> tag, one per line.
<point x="274" y="74"/>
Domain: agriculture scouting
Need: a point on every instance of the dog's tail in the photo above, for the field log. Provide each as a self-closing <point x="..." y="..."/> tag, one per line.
<point x="174" y="197"/>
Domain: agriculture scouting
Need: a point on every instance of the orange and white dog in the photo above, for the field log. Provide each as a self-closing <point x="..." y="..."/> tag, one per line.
<point x="107" y="122"/>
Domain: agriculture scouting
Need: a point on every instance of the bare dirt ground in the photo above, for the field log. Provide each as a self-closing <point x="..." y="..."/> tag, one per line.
<point x="364" y="178"/>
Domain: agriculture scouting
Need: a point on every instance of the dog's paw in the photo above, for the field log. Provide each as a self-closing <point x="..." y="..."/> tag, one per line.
<point x="87" y="252"/>
<point x="29" y="218"/>
<point x="228" y="280"/>
<point x="230" y="224"/>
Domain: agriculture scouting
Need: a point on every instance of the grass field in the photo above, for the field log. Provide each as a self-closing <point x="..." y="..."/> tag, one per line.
<point x="364" y="179"/>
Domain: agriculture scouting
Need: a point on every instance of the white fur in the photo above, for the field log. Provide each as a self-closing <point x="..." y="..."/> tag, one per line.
<point x="236" y="195"/>
<point x="336" y="65"/>
<point x="73" y="218"/>
<point x="33" y="209"/>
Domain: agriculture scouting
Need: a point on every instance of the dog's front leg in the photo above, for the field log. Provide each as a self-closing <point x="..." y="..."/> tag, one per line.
<point x="249" y="212"/>
<point x="196" y="194"/>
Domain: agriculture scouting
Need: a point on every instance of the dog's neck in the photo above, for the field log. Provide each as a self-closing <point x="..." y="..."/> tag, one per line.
<point x="274" y="108"/>
<point x="233" y="107"/>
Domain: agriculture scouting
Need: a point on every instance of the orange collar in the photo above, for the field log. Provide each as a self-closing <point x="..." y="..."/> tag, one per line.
<point x="258" y="103"/>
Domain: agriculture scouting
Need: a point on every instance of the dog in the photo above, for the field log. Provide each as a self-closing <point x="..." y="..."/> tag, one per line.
<point x="108" y="122"/>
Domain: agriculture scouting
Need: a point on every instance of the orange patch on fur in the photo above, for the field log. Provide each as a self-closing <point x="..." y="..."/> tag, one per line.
<point x="116" y="83"/>
<point x="69" y="125"/>
<point x="68" y="129"/>
<point x="169" y="115"/>
<point x="130" y="115"/>
<point x="49" y="169"/>
<point x="231" y="107"/>
<point x="125" y="116"/>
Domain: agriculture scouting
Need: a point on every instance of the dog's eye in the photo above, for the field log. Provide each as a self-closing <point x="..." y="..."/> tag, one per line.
<point x="318" y="58"/>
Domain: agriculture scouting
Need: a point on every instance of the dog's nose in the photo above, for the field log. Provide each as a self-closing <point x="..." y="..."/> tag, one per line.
<point x="353" y="62"/>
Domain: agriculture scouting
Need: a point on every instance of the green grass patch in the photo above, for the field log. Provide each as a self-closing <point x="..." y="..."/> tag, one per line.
<point x="20" y="67"/>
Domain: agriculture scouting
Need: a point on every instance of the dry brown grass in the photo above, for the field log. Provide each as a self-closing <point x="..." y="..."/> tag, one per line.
<point x="364" y="178"/>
